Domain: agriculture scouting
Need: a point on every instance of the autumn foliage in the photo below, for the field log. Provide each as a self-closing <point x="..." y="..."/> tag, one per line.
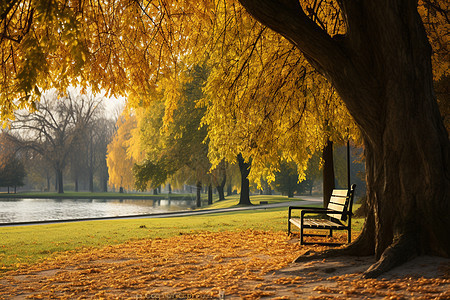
<point x="241" y="264"/>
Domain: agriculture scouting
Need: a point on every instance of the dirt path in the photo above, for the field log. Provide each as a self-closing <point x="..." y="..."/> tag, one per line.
<point x="248" y="264"/>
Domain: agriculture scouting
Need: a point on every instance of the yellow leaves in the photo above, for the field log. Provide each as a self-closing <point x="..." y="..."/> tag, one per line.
<point x="119" y="163"/>
<point x="244" y="264"/>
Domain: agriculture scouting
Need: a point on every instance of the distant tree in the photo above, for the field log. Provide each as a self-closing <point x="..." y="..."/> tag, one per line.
<point x="55" y="128"/>
<point x="178" y="143"/>
<point x="119" y="160"/>
<point x="286" y="180"/>
<point x="12" y="170"/>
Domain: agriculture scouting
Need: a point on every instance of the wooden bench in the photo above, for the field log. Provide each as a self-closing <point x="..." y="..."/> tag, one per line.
<point x="337" y="216"/>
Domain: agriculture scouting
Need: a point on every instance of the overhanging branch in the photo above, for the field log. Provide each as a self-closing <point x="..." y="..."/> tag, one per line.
<point x="288" y="18"/>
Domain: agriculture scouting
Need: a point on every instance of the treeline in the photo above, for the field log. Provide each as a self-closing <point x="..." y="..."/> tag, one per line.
<point x="61" y="144"/>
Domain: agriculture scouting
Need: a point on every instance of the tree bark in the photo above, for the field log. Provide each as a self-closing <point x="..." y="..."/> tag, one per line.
<point x="328" y="172"/>
<point x="244" y="167"/>
<point x="382" y="71"/>
<point x="199" y="194"/>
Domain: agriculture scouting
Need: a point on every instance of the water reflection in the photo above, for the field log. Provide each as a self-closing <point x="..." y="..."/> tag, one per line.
<point x="27" y="210"/>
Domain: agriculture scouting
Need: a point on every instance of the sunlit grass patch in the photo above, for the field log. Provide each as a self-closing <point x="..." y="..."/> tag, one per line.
<point x="29" y="244"/>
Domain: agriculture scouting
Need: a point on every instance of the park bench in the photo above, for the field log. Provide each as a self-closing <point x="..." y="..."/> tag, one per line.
<point x="336" y="216"/>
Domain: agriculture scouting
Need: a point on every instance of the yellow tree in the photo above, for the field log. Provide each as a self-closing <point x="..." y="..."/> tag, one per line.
<point x="174" y="145"/>
<point x="266" y="99"/>
<point x="119" y="160"/>
<point x="379" y="63"/>
<point x="381" y="68"/>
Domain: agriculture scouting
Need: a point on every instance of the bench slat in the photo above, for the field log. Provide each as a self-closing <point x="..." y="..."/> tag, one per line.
<point x="342" y="193"/>
<point x="336" y="207"/>
<point x="338" y="200"/>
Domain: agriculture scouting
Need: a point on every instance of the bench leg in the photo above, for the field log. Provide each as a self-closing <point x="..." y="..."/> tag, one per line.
<point x="349" y="236"/>
<point x="331" y="233"/>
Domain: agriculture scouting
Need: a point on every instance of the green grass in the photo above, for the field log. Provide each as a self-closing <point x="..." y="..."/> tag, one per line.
<point x="29" y="244"/>
<point x="232" y="201"/>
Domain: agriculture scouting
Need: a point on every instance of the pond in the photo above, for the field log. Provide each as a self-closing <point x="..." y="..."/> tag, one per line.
<point x="29" y="210"/>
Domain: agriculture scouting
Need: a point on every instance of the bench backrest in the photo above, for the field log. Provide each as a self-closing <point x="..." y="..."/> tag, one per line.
<point x="341" y="201"/>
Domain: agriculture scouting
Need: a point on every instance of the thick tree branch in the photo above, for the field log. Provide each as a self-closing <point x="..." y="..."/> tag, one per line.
<point x="288" y="18"/>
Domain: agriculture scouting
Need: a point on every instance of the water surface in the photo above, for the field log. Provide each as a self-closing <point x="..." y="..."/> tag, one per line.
<point x="28" y="210"/>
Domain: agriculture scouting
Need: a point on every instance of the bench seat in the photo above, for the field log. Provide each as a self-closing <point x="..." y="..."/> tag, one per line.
<point x="337" y="216"/>
<point x="316" y="223"/>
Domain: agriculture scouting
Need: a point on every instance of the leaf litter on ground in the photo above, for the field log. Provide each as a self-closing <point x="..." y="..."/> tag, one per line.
<point x="238" y="264"/>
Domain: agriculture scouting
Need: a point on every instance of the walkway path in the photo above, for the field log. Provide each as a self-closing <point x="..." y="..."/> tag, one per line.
<point x="307" y="200"/>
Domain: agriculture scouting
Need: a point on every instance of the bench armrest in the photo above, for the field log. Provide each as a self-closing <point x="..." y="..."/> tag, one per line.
<point x="306" y="207"/>
<point x="325" y="211"/>
<point x="318" y="211"/>
<point x="291" y="208"/>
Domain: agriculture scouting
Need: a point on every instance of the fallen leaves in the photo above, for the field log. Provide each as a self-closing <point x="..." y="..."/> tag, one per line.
<point x="241" y="264"/>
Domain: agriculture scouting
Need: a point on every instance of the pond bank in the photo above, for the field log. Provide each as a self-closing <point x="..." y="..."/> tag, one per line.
<point x="96" y="196"/>
<point x="170" y="214"/>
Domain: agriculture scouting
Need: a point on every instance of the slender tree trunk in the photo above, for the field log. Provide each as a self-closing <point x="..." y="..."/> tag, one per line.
<point x="220" y="188"/>
<point x="76" y="183"/>
<point x="328" y="172"/>
<point x="91" y="180"/>
<point x="210" y="194"/>
<point x="382" y="70"/>
<point x="56" y="181"/>
<point x="229" y="190"/>
<point x="221" y="192"/>
<point x="199" y="194"/>
<point x="60" y="183"/>
<point x="244" y="167"/>
<point x="105" y="184"/>
<point x="91" y="163"/>
<point x="48" y="182"/>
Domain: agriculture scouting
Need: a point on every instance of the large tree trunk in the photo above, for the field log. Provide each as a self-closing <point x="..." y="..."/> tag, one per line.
<point x="382" y="70"/>
<point x="328" y="172"/>
<point x="244" y="167"/>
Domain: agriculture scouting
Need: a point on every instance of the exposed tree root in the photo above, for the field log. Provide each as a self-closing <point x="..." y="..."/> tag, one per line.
<point x="354" y="249"/>
<point x="402" y="250"/>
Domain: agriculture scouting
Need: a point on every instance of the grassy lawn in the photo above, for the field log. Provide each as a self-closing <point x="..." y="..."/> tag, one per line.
<point x="232" y="201"/>
<point x="29" y="244"/>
